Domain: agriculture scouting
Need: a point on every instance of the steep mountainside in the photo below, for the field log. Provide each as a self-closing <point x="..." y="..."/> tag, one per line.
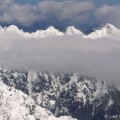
<point x="68" y="94"/>
<point x="104" y="31"/>
<point x="15" y="105"/>
<point x="71" y="30"/>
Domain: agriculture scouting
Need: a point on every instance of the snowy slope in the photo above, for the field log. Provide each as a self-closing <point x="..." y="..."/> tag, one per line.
<point x="15" y="105"/>
<point x="13" y="29"/>
<point x="50" y="31"/>
<point x="1" y="29"/>
<point x="61" y="93"/>
<point x="71" y="30"/>
<point x="108" y="29"/>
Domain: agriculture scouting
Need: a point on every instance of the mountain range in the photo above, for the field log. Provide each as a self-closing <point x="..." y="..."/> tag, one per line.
<point x="105" y="30"/>
<point x="30" y="95"/>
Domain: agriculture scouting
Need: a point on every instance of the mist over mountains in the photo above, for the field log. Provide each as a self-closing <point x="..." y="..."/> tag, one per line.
<point x="51" y="74"/>
<point x="96" y="54"/>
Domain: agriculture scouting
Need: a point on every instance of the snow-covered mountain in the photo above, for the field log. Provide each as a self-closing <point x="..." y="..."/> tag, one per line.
<point x="1" y="29"/>
<point x="15" y="105"/>
<point x="50" y="31"/>
<point x="64" y="94"/>
<point x="13" y="29"/>
<point x="107" y="29"/>
<point x="71" y="30"/>
<point x="104" y="31"/>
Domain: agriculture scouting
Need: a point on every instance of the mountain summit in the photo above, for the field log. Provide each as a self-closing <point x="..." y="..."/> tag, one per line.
<point x="72" y="30"/>
<point x="50" y="31"/>
<point x="103" y="31"/>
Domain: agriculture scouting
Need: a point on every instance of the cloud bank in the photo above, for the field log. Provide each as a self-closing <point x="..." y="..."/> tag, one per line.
<point x="73" y="12"/>
<point x="99" y="58"/>
<point x="27" y="14"/>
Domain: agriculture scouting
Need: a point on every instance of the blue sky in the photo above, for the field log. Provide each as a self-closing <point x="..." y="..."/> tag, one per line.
<point x="83" y="14"/>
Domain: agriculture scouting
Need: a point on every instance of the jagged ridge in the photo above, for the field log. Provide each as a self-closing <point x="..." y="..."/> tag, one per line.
<point x="15" y="105"/>
<point x="50" y="31"/>
<point x="71" y="30"/>
<point x="65" y="93"/>
<point x="104" y="31"/>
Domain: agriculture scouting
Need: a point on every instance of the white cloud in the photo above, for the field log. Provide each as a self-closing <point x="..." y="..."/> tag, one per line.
<point x="11" y="12"/>
<point x="109" y="13"/>
<point x="98" y="57"/>
<point x="51" y="11"/>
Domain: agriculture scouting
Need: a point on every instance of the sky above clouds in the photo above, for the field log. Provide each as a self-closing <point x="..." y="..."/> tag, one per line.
<point x="31" y="13"/>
